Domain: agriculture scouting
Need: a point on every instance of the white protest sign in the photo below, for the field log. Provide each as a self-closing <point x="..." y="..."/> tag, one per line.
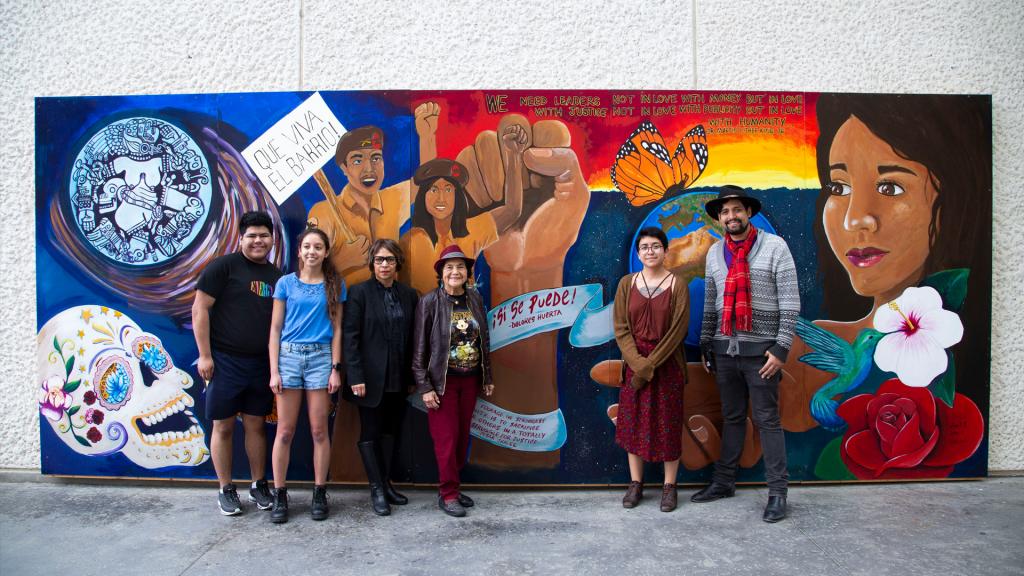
<point x="295" y="147"/>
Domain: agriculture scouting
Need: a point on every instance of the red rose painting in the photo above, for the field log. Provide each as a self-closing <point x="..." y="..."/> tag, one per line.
<point x="903" y="432"/>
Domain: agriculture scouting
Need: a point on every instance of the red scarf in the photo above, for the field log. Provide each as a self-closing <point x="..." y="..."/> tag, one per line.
<point x="736" y="298"/>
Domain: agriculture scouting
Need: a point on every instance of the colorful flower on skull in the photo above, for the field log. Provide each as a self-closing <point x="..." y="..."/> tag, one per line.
<point x="153" y="357"/>
<point x="53" y="402"/>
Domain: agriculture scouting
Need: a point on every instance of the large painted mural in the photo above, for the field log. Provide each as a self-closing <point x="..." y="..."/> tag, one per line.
<point x="884" y="200"/>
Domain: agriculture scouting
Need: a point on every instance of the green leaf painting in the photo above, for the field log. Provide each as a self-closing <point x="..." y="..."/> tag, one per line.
<point x="951" y="285"/>
<point x="830" y="465"/>
<point x="944" y="386"/>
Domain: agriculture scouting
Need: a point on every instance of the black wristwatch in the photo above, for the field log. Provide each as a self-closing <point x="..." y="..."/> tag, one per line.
<point x="339" y="366"/>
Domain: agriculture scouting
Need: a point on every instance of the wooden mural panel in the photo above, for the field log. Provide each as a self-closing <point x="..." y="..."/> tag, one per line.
<point x="885" y="202"/>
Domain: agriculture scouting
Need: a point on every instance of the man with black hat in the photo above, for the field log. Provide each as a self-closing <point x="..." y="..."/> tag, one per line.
<point x="751" y="304"/>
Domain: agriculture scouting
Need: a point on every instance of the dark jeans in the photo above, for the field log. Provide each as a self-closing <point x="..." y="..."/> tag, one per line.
<point x="738" y="380"/>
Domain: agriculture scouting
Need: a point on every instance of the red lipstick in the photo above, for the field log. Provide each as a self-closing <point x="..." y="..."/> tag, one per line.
<point x="865" y="257"/>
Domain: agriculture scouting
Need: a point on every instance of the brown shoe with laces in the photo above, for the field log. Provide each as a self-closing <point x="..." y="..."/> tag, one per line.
<point x="669" y="498"/>
<point x="634" y="493"/>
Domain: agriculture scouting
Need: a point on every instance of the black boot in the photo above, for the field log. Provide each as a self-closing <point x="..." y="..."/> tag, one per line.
<point x="319" y="509"/>
<point x="386" y="459"/>
<point x="712" y="492"/>
<point x="368" y="451"/>
<point x="775" y="510"/>
<point x="279" y="514"/>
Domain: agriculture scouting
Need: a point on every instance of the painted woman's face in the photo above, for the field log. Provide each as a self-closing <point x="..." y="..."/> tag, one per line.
<point x="440" y="199"/>
<point x="878" y="212"/>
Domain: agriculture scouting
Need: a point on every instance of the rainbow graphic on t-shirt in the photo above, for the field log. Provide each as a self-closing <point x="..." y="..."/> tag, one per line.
<point x="262" y="289"/>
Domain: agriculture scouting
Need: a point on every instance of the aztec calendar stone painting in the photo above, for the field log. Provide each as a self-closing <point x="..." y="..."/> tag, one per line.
<point x="140" y="191"/>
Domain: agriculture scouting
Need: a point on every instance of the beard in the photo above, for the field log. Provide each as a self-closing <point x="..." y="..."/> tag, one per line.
<point x="736" y="227"/>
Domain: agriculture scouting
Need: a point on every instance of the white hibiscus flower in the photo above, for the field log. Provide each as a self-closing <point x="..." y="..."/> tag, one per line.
<point x="917" y="332"/>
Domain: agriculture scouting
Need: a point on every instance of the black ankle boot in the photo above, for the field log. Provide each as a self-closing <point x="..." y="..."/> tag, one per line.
<point x="279" y="514"/>
<point x="319" y="509"/>
<point x="712" y="492"/>
<point x="775" y="510"/>
<point x="385" y="460"/>
<point x="368" y="451"/>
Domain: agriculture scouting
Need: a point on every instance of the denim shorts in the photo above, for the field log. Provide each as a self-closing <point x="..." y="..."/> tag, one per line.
<point x="304" y="366"/>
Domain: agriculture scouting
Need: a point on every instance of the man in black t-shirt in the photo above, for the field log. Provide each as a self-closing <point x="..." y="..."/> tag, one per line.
<point x="231" y="322"/>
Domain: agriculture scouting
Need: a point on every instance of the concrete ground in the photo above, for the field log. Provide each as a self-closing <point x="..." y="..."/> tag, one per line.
<point x="75" y="528"/>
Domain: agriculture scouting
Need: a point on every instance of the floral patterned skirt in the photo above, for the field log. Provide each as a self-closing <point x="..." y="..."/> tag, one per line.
<point x="650" y="420"/>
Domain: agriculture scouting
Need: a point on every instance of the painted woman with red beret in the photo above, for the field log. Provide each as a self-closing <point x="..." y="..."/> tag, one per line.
<point x="441" y="213"/>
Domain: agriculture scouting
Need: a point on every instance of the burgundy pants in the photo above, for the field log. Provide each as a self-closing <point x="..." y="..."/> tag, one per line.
<point x="449" y="428"/>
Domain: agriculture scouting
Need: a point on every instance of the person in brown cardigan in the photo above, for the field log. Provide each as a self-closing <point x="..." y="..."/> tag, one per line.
<point x="651" y="315"/>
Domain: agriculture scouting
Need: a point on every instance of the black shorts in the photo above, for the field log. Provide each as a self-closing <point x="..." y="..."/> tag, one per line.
<point x="239" y="384"/>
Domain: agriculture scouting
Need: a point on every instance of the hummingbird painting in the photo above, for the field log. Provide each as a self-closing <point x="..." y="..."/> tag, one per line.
<point x="851" y="363"/>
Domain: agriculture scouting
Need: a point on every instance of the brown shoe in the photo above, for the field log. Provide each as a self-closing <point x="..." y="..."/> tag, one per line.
<point x="634" y="494"/>
<point x="669" y="498"/>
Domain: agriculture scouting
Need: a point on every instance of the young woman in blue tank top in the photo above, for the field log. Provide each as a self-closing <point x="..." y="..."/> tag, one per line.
<point x="305" y="353"/>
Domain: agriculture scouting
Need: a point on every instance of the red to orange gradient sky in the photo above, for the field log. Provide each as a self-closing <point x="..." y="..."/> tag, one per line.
<point x="755" y="139"/>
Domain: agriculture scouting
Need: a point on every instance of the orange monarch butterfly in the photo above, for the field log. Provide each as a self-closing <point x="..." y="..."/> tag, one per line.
<point x="644" y="171"/>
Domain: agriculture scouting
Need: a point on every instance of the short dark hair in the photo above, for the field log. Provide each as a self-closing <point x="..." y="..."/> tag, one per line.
<point x="389" y="245"/>
<point x="651" y="232"/>
<point x="255" y="218"/>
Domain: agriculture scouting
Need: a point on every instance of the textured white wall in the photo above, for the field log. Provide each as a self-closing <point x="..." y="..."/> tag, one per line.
<point x="125" y="47"/>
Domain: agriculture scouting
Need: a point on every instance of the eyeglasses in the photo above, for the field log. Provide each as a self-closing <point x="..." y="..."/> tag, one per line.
<point x="384" y="260"/>
<point x="650" y="248"/>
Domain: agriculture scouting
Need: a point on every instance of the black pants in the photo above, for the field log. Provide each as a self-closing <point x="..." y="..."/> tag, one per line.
<point x="384" y="419"/>
<point x="738" y="380"/>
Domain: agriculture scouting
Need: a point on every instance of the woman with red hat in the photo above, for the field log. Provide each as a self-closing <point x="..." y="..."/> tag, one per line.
<point x="451" y="365"/>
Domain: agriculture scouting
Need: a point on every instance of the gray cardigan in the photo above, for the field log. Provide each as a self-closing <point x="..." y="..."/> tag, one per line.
<point x="774" y="298"/>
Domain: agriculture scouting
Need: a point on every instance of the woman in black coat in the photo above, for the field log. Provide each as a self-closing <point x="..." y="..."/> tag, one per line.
<point x="377" y="338"/>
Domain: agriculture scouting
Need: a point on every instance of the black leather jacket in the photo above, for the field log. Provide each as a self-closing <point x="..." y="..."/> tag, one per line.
<point x="432" y="333"/>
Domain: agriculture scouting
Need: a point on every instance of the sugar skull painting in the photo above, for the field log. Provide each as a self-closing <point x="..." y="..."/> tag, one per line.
<point x="108" y="386"/>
